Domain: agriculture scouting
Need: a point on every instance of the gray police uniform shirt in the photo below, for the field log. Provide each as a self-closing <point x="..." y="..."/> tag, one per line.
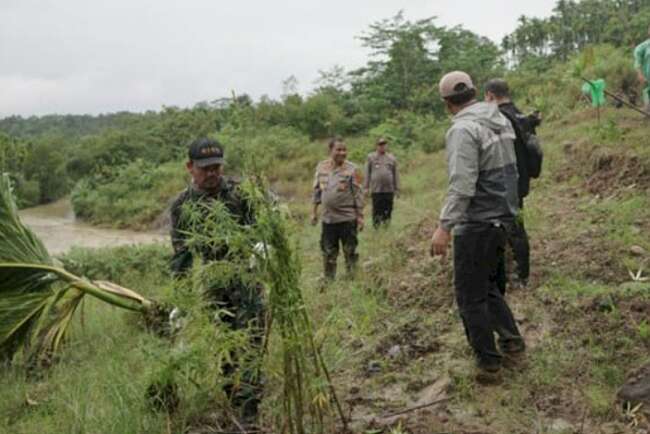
<point x="339" y="191"/>
<point x="482" y="168"/>
<point x="381" y="173"/>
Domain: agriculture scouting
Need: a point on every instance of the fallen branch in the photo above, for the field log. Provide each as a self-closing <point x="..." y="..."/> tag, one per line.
<point x="621" y="100"/>
<point x="417" y="407"/>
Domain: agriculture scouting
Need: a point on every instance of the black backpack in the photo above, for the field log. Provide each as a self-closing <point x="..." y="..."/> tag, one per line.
<point x="535" y="156"/>
<point x="534" y="153"/>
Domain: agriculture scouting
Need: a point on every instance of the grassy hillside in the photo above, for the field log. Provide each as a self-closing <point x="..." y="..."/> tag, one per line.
<point x="392" y="335"/>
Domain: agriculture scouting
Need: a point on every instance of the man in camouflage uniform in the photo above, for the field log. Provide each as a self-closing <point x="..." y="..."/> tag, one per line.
<point x="337" y="186"/>
<point x="241" y="298"/>
<point x="381" y="182"/>
<point x="208" y="185"/>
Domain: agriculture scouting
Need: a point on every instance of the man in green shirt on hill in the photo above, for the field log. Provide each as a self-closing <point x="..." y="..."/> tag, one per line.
<point x="642" y="66"/>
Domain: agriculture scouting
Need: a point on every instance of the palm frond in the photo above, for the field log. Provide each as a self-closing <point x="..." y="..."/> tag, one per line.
<point x="37" y="298"/>
<point x="19" y="244"/>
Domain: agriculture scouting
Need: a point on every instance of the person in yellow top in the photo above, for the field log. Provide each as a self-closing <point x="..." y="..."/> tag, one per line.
<point x="338" y="188"/>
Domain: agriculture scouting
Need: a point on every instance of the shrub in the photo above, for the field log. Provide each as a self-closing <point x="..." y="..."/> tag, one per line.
<point x="554" y="89"/>
<point x="114" y="263"/>
<point x="135" y="195"/>
<point x="28" y="193"/>
<point x="267" y="145"/>
<point x="409" y="130"/>
<point x="129" y="196"/>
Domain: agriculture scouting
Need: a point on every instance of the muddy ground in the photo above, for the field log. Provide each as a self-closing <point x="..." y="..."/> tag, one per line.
<point x="416" y="378"/>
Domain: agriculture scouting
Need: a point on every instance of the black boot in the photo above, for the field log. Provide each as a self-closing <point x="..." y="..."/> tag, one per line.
<point x="330" y="269"/>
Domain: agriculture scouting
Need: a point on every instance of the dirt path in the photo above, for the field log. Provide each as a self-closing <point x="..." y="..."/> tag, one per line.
<point x="583" y="329"/>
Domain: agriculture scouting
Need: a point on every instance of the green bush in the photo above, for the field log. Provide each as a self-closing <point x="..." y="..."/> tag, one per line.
<point x="321" y="116"/>
<point x="114" y="263"/>
<point x="408" y="130"/>
<point x="555" y="88"/>
<point x="266" y="146"/>
<point x="28" y="193"/>
<point x="129" y="196"/>
<point x="135" y="195"/>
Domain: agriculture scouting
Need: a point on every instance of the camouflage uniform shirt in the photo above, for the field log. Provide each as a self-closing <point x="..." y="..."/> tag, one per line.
<point x="229" y="195"/>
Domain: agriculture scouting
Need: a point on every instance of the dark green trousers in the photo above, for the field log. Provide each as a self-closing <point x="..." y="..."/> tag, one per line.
<point x="342" y="234"/>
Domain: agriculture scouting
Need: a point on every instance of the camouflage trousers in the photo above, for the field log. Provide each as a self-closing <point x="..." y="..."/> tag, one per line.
<point x="240" y="305"/>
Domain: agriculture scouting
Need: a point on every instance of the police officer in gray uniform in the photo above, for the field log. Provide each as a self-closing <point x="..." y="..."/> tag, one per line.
<point x="381" y="182"/>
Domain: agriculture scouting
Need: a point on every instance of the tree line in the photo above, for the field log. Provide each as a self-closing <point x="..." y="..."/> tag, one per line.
<point x="574" y="25"/>
<point x="394" y="94"/>
<point x="47" y="155"/>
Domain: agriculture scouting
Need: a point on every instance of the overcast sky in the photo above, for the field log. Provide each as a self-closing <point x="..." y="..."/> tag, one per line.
<point x="92" y="56"/>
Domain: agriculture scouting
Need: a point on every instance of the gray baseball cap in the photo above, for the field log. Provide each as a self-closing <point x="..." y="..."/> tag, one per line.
<point x="454" y="83"/>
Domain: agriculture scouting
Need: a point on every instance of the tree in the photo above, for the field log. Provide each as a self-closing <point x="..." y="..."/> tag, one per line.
<point x="460" y="49"/>
<point x="13" y="152"/>
<point x="45" y="164"/>
<point x="573" y="25"/>
<point x="408" y="59"/>
<point x="289" y="87"/>
<point x="403" y="60"/>
<point x="333" y="80"/>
